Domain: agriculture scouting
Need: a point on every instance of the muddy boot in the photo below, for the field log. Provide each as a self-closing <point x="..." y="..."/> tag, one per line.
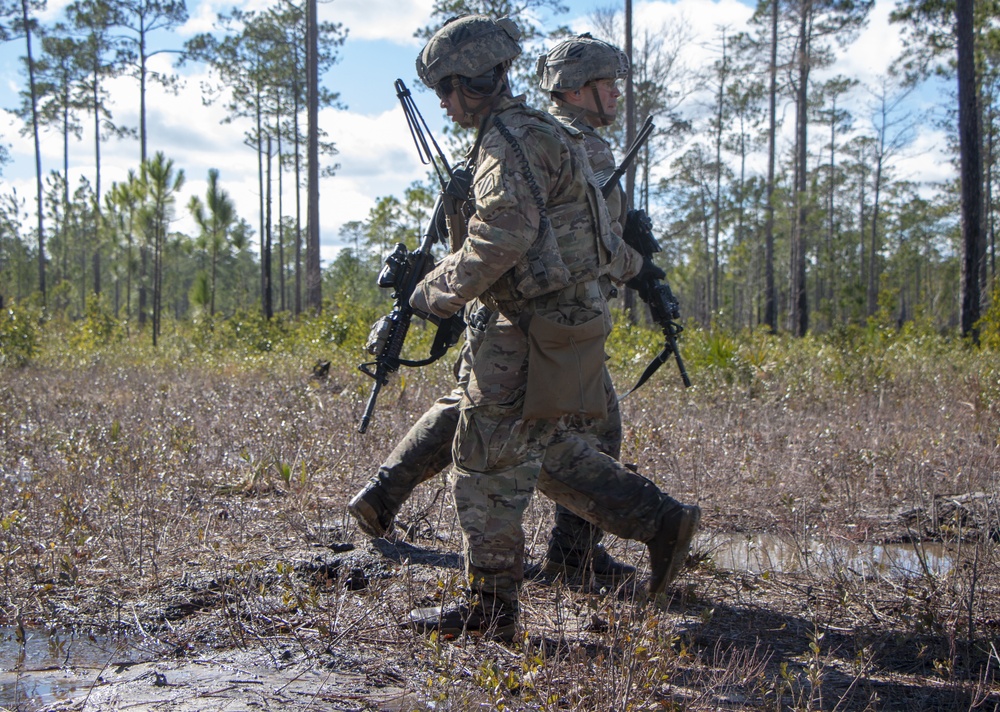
<point x="575" y="553"/>
<point x="489" y="618"/>
<point x="372" y="510"/>
<point x="668" y="549"/>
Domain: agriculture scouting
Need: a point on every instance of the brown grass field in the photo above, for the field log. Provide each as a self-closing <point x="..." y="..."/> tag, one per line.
<point x="186" y="520"/>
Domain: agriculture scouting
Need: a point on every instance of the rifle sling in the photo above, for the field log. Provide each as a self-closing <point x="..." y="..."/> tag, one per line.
<point x="442" y="342"/>
<point x="650" y="370"/>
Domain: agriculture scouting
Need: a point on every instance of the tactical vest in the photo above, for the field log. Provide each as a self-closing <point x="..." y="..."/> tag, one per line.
<point x="575" y="241"/>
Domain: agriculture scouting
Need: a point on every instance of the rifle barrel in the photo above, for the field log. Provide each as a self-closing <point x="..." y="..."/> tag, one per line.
<point x="644" y="133"/>
<point x="420" y="132"/>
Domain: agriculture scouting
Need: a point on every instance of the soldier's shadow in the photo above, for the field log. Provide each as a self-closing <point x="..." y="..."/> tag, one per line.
<point x="400" y="551"/>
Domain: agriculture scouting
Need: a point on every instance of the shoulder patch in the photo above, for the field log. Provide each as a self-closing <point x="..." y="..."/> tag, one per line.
<point x="490" y="192"/>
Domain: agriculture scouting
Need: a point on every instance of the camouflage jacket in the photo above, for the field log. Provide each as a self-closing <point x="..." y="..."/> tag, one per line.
<point x="505" y="258"/>
<point x="625" y="262"/>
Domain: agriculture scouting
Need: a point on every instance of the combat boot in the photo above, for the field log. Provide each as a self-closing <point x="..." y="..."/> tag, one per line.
<point x="491" y="619"/>
<point x="372" y="510"/>
<point x="577" y="565"/>
<point x="575" y="553"/>
<point x="668" y="549"/>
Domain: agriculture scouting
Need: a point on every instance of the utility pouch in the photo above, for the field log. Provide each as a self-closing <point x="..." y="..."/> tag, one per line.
<point x="542" y="269"/>
<point x="565" y="369"/>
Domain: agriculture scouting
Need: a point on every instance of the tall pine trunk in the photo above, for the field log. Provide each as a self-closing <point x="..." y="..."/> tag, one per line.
<point x="799" y="296"/>
<point x="266" y="295"/>
<point x="971" y="169"/>
<point x="39" y="192"/>
<point x="770" y="297"/>
<point x="314" y="296"/>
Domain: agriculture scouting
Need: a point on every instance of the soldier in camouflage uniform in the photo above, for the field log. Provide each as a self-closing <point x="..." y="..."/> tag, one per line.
<point x="537" y="244"/>
<point x="581" y="74"/>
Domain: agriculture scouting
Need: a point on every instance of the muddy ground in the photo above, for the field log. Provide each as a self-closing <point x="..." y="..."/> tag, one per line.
<point x="177" y="540"/>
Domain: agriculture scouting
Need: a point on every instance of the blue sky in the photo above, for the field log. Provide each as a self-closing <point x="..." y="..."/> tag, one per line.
<point x="377" y="157"/>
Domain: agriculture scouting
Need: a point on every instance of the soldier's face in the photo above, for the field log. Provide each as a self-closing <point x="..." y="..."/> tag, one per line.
<point x="598" y="98"/>
<point x="455" y="107"/>
<point x="608" y="91"/>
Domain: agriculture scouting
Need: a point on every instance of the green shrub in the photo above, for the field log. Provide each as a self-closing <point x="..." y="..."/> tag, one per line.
<point x="720" y="354"/>
<point x="98" y="329"/>
<point x="345" y="325"/>
<point x="989" y="323"/>
<point x="248" y="330"/>
<point x="19" y="335"/>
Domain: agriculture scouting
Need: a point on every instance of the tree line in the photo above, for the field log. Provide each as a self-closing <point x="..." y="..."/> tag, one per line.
<point x="805" y="234"/>
<point x="88" y="236"/>
<point x="823" y="231"/>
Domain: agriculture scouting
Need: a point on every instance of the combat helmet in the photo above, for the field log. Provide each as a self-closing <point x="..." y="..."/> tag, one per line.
<point x="572" y="63"/>
<point x="468" y="46"/>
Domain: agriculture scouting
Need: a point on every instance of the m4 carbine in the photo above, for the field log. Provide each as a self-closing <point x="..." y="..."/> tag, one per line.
<point x="663" y="305"/>
<point x="638" y="234"/>
<point x="403" y="270"/>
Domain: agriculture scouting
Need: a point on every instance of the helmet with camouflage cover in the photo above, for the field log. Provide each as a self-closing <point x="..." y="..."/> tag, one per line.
<point x="468" y="46"/>
<point x="572" y="63"/>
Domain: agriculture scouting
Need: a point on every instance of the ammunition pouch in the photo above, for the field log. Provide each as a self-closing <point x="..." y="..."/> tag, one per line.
<point x="542" y="269"/>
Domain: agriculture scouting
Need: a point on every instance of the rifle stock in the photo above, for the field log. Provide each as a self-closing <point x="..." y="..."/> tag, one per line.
<point x="403" y="271"/>
<point x="638" y="234"/>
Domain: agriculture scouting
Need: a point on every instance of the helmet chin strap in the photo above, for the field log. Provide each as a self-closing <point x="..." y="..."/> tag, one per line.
<point x="602" y="117"/>
<point x="486" y="103"/>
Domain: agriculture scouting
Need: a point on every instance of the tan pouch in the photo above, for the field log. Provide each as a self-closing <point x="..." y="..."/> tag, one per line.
<point x="565" y="369"/>
<point x="542" y="270"/>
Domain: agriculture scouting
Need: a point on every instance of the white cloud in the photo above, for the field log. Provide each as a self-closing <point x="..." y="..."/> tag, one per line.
<point x="377" y="158"/>
<point x="877" y="45"/>
<point x="391" y="20"/>
<point x="201" y="19"/>
<point x="926" y="160"/>
<point x="704" y="18"/>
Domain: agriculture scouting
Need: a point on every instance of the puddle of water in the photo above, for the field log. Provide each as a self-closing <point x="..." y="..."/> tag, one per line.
<point x="55" y="665"/>
<point x="762" y="551"/>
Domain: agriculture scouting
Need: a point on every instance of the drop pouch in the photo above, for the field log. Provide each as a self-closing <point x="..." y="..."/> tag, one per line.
<point x="565" y="369"/>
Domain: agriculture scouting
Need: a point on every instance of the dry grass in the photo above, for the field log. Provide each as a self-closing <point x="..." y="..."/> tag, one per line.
<point x="204" y="507"/>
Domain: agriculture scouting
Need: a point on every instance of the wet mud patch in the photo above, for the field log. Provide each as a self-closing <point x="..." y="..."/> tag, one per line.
<point x="231" y="680"/>
<point x="40" y="666"/>
<point x="353" y="569"/>
<point x="404" y="552"/>
<point x="947" y="517"/>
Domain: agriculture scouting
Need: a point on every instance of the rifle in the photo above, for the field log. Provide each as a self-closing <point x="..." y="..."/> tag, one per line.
<point x="644" y="133"/>
<point x="637" y="232"/>
<point x="403" y="269"/>
<point x="663" y="305"/>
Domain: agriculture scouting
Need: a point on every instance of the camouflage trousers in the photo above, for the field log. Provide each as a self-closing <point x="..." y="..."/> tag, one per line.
<point x="425" y="450"/>
<point x="500" y="458"/>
